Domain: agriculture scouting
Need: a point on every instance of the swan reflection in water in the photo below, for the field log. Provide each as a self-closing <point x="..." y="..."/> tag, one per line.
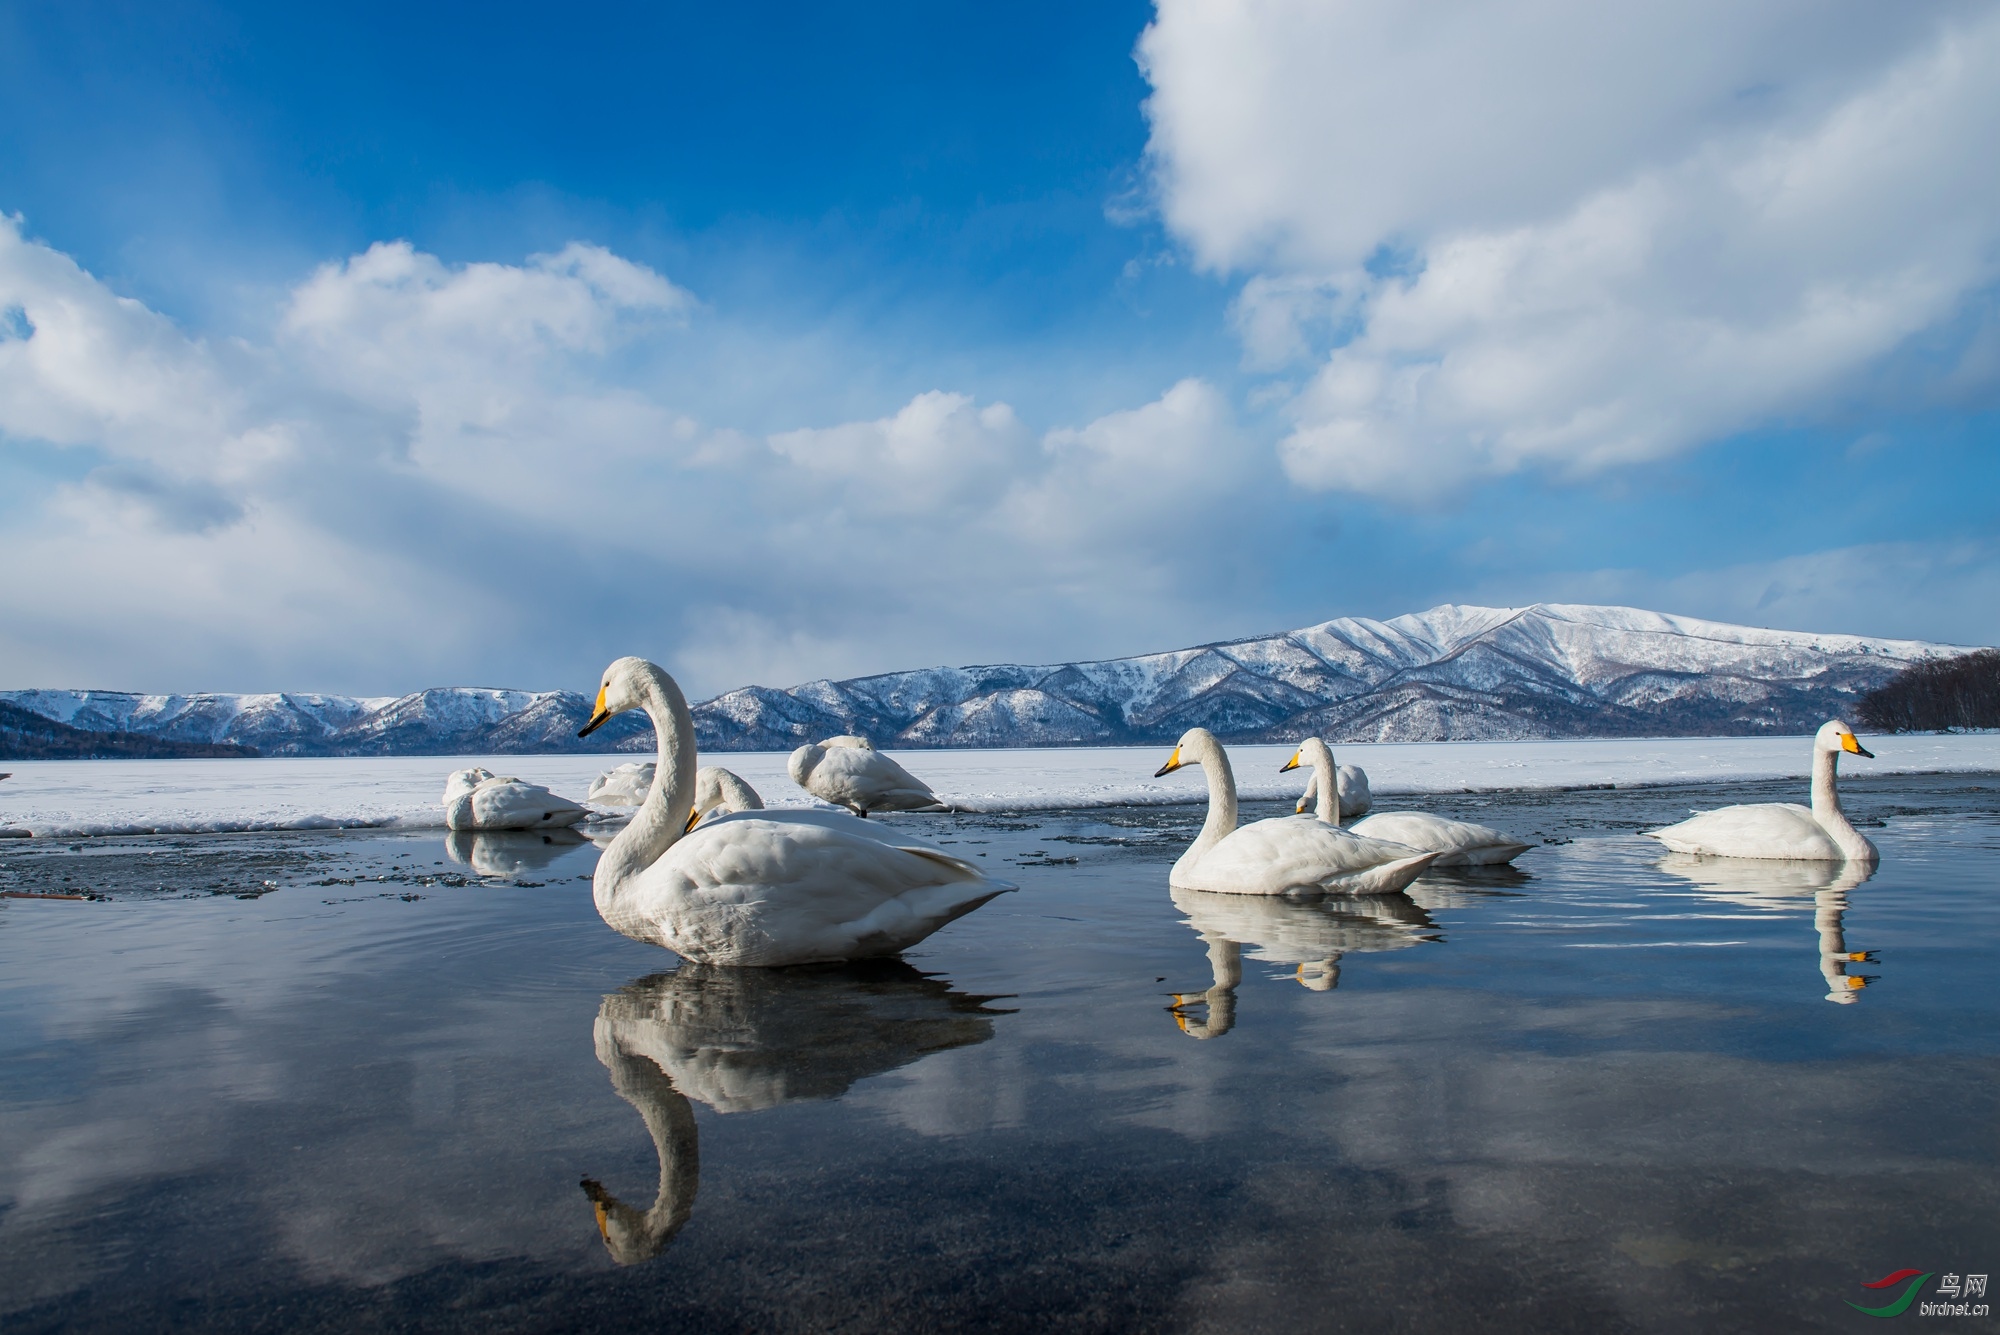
<point x="742" y="1039"/>
<point x="1777" y="886"/>
<point x="1312" y="934"/>
<point x="510" y="853"/>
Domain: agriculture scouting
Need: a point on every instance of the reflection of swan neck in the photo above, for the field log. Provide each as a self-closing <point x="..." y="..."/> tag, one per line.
<point x="1225" y="965"/>
<point x="1826" y="807"/>
<point x="1829" y="914"/>
<point x="663" y="816"/>
<point x="630" y="1235"/>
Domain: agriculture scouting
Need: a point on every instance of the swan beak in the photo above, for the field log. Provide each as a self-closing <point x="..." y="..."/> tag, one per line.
<point x="1298" y="807"/>
<point x="597" y="716"/>
<point x="1173" y="763"/>
<point x="694" y="815"/>
<point x="1851" y="744"/>
<point x="1291" y="764"/>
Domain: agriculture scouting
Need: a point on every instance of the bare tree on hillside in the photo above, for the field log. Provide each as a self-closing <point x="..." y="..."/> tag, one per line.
<point x="1938" y="693"/>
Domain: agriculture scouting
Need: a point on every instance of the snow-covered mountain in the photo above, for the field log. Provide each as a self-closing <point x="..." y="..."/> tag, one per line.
<point x="1551" y="670"/>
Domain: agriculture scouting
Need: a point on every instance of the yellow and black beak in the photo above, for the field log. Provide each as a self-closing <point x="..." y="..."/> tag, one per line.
<point x="597" y="716"/>
<point x="694" y="814"/>
<point x="1291" y="764"/>
<point x="1852" y="745"/>
<point x="1173" y="763"/>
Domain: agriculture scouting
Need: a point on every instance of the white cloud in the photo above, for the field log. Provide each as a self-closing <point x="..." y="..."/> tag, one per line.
<point x="468" y="472"/>
<point x="1573" y="236"/>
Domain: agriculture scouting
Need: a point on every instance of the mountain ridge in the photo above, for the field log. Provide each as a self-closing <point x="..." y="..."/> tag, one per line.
<point x="1453" y="672"/>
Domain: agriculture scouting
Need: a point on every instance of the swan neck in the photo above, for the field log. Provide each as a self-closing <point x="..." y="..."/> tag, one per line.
<point x="1826" y="807"/>
<point x="1221" y="794"/>
<point x="662" y="818"/>
<point x="1328" y="775"/>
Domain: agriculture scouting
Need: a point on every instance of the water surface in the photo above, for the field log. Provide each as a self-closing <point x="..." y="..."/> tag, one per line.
<point x="380" y="1080"/>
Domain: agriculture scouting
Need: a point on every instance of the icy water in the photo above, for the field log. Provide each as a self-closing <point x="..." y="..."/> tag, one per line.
<point x="380" y="1080"/>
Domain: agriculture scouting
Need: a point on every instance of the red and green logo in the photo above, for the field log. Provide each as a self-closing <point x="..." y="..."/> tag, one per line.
<point x="1902" y="1302"/>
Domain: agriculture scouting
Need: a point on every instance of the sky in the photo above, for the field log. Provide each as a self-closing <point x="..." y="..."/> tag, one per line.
<point x="364" y="348"/>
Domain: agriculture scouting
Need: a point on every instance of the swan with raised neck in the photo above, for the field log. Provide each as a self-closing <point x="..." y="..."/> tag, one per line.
<point x="1820" y="833"/>
<point x="1458" y="843"/>
<point x="761" y="887"/>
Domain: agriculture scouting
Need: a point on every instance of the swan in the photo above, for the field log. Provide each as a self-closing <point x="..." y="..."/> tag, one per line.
<point x="1784" y="829"/>
<point x="742" y="1040"/>
<point x="1270" y="857"/>
<point x="717" y="789"/>
<point x="761" y="887"/>
<point x="1312" y="935"/>
<point x="1771" y="884"/>
<point x="851" y="773"/>
<point x="1457" y="843"/>
<point x="624" y="786"/>
<point x="478" y="799"/>
<point x="1355" y="798"/>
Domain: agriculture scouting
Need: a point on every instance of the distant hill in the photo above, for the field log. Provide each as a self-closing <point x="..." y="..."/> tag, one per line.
<point x="1550" y="670"/>
<point x="25" y="735"/>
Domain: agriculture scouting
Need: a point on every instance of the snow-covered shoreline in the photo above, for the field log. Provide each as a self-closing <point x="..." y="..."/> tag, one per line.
<point x="73" y="798"/>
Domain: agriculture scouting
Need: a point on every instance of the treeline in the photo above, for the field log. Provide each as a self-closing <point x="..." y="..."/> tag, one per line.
<point x="26" y="735"/>
<point x="1936" y="694"/>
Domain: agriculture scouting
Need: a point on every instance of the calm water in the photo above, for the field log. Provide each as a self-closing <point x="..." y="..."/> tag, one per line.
<point x="381" y="1081"/>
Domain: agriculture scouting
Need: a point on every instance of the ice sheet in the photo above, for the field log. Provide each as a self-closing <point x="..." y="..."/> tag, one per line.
<point x="69" y="798"/>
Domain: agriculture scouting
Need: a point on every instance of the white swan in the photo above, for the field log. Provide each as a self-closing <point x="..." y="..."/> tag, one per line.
<point x="849" y="772"/>
<point x="477" y="799"/>
<point x="1458" y="843"/>
<point x="1270" y="857"/>
<point x="623" y="786"/>
<point x="1355" y="797"/>
<point x="761" y="887"/>
<point x="1784" y="829"/>
<point x="718" y="789"/>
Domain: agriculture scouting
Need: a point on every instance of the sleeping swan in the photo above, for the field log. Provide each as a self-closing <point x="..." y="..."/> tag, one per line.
<point x="761" y="887"/>
<point x="477" y="799"/>
<point x="1270" y="857"/>
<point x="849" y="772"/>
<point x="1458" y="843"/>
<point x="1784" y="829"/>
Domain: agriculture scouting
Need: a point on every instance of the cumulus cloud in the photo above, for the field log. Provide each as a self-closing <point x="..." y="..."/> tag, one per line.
<point x="1571" y="237"/>
<point x="469" y="472"/>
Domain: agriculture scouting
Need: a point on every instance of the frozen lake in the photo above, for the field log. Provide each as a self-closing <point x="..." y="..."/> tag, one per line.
<point x="393" y="1079"/>
<point x="67" y="798"/>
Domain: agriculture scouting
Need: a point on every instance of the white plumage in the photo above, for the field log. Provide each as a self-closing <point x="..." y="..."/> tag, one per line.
<point x="849" y="772"/>
<point x="478" y="799"/>
<point x="762" y="887"/>
<point x="1820" y="833"/>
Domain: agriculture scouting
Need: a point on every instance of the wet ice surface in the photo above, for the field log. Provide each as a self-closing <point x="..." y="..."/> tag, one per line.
<point x="353" y="1080"/>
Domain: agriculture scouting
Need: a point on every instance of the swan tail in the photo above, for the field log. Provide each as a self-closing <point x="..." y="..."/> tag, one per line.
<point x="1386" y="879"/>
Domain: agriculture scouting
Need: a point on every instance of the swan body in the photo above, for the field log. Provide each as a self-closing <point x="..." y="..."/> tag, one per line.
<point x="718" y="789"/>
<point x="1457" y="843"/>
<point x="1271" y="857"/>
<point x="624" y="786"/>
<point x="1355" y="797"/>
<point x="478" y="799"/>
<point x="1819" y="833"/>
<point x="859" y="778"/>
<point x="762" y="887"/>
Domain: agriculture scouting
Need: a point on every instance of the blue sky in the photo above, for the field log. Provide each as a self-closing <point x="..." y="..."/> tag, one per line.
<point x="373" y="347"/>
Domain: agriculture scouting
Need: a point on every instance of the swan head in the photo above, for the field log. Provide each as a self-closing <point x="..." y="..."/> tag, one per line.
<point x="1837" y="736"/>
<point x="1310" y="752"/>
<point x="624" y="1229"/>
<point x="623" y="687"/>
<point x="1194" y="744"/>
